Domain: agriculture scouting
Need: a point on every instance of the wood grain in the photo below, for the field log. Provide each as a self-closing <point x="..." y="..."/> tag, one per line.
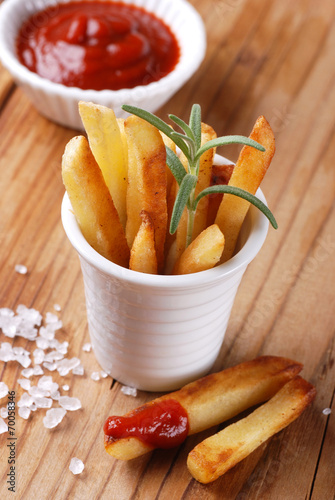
<point x="270" y="58"/>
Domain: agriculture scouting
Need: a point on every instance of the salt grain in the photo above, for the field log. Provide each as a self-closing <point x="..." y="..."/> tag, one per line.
<point x="71" y="404"/>
<point x="327" y="411"/>
<point x="3" y="426"/>
<point x="38" y="370"/>
<point x="78" y="370"/>
<point x="4" y="412"/>
<point x="66" y="387"/>
<point x="3" y="390"/>
<point x="24" y="383"/>
<point x="38" y="356"/>
<point x="21" y="269"/>
<point x="103" y="374"/>
<point x="27" y="372"/>
<point x="76" y="466"/>
<point x="25" y="400"/>
<point x="24" y="412"/>
<point x="95" y="376"/>
<point x="57" y="307"/>
<point x="50" y="366"/>
<point x="55" y="395"/>
<point x="129" y="391"/>
<point x="47" y="384"/>
<point x="87" y="347"/>
<point x="6" y="352"/>
<point x="43" y="402"/>
<point x="53" y="417"/>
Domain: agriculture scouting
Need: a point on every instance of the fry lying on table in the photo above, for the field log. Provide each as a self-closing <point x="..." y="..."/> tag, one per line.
<point x="167" y="421"/>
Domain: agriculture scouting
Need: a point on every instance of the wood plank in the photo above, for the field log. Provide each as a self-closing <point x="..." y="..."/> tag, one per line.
<point x="271" y="58"/>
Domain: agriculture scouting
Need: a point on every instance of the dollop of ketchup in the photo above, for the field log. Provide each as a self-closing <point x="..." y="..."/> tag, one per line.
<point x="161" y="425"/>
<point x="97" y="45"/>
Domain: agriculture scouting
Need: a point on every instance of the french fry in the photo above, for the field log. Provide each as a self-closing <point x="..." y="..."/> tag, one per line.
<point x="143" y="253"/>
<point x="92" y="203"/>
<point x="146" y="181"/>
<point x="216" y="398"/>
<point x="203" y="253"/>
<point x="220" y="175"/>
<point x="217" y="454"/>
<point x="248" y="173"/>
<point x="204" y="180"/>
<point x="107" y="147"/>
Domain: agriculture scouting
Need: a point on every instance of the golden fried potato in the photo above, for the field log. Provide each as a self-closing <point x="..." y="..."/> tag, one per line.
<point x="203" y="253"/>
<point x="220" y="176"/>
<point x="216" y="398"/>
<point x="204" y="180"/>
<point x="146" y="181"/>
<point x="217" y="454"/>
<point x="107" y="147"/>
<point x="92" y="203"/>
<point x="143" y="253"/>
<point x="248" y="173"/>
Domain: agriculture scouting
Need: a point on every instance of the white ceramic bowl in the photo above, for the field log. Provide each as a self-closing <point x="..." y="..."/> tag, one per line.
<point x="60" y="103"/>
<point x="158" y="333"/>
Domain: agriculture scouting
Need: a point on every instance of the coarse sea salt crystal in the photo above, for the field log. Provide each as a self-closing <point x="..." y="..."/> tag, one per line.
<point x="50" y="366"/>
<point x="24" y="383"/>
<point x="71" y="404"/>
<point x="78" y="370"/>
<point x="129" y="391"/>
<point x="3" y="426"/>
<point x="3" y="390"/>
<point x="39" y="355"/>
<point x="326" y="411"/>
<point x="87" y="347"/>
<point x="66" y="365"/>
<point x="42" y="343"/>
<point x="57" y="307"/>
<point x="38" y="392"/>
<point x="103" y="374"/>
<point x="4" y="412"/>
<point x="38" y="370"/>
<point x="29" y="315"/>
<point x="27" y="372"/>
<point x="25" y="400"/>
<point x="53" y="417"/>
<point x="21" y="269"/>
<point x="43" y="402"/>
<point x="47" y="384"/>
<point x="66" y="387"/>
<point x="6" y="352"/>
<point x="95" y="376"/>
<point x="76" y="466"/>
<point x="55" y="395"/>
<point x="51" y="318"/>
<point x="24" y="412"/>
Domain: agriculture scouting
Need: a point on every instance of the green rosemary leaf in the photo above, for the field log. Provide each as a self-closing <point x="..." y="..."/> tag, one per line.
<point x="242" y="194"/>
<point x="188" y="131"/>
<point x="158" y="123"/>
<point x="175" y="165"/>
<point x="229" y="139"/>
<point x="195" y="123"/>
<point x="187" y="185"/>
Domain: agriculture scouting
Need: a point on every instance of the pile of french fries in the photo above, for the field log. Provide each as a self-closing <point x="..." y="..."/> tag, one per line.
<point x="122" y="193"/>
<point x="218" y="397"/>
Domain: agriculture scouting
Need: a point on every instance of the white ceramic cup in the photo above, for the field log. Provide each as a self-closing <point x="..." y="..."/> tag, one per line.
<point x="157" y="333"/>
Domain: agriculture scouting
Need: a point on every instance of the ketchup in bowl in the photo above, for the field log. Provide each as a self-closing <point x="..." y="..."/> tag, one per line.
<point x="97" y="45"/>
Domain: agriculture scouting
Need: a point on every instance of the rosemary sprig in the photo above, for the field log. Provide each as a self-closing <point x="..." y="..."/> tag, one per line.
<point x="189" y="142"/>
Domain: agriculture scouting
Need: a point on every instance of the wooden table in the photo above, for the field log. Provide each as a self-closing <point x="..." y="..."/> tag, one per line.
<point x="271" y="58"/>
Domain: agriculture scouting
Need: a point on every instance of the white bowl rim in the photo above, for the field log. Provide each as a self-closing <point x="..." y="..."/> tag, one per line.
<point x="254" y="242"/>
<point x="182" y="71"/>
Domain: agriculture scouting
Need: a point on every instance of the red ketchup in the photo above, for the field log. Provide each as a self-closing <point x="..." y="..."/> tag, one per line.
<point x="161" y="425"/>
<point x="97" y="45"/>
